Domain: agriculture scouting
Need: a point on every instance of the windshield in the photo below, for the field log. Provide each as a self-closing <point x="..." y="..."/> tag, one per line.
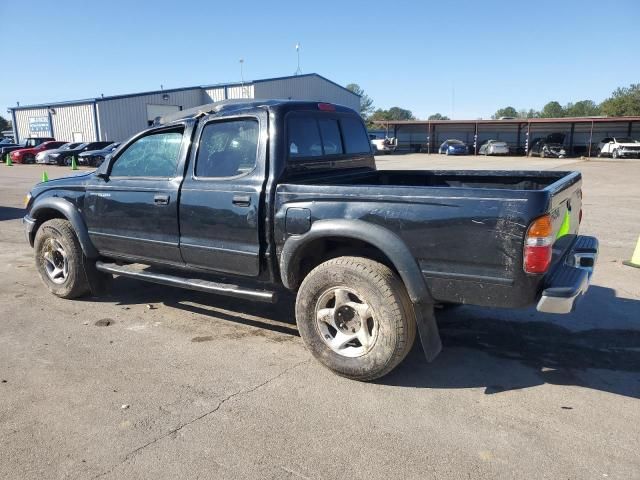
<point x="625" y="140"/>
<point x="455" y="142"/>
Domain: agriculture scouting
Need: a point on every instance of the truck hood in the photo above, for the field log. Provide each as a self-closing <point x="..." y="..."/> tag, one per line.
<point x="629" y="144"/>
<point x="72" y="181"/>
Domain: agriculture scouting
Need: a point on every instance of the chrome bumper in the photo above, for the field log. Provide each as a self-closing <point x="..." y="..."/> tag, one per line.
<point x="570" y="281"/>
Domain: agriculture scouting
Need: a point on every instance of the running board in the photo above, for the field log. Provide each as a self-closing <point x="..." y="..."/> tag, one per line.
<point x="189" y="283"/>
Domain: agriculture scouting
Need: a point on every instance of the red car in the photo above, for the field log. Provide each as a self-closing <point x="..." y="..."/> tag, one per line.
<point x="28" y="155"/>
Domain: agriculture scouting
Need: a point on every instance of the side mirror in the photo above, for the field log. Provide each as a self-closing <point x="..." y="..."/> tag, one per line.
<point x="103" y="170"/>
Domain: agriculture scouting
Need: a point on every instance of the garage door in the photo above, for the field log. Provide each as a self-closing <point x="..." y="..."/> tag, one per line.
<point x="155" y="111"/>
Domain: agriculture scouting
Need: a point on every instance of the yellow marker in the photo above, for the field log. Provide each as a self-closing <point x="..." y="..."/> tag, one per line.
<point x="566" y="225"/>
<point x="635" y="259"/>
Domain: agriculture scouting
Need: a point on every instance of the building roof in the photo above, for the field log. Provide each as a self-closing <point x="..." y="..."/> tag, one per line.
<point x="515" y="121"/>
<point x="173" y="90"/>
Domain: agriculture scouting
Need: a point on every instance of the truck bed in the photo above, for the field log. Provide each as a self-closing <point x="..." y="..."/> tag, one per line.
<point x="466" y="229"/>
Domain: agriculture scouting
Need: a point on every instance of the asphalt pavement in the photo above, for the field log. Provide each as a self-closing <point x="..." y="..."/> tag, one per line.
<point x="154" y="382"/>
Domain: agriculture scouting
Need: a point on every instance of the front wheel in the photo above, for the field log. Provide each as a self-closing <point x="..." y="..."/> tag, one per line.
<point x="355" y="317"/>
<point x="59" y="259"/>
<point x="615" y="154"/>
<point x="29" y="159"/>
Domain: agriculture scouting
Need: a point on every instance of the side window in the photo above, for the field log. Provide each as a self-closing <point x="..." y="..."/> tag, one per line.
<point x="155" y="155"/>
<point x="355" y="136"/>
<point x="330" y="132"/>
<point x="227" y="149"/>
<point x="303" y="137"/>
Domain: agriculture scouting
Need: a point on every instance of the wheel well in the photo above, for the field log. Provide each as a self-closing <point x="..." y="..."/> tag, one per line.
<point x="326" y="248"/>
<point x="45" y="215"/>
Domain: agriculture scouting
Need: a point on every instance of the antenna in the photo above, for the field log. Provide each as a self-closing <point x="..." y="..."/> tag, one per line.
<point x="299" y="70"/>
<point x="244" y="89"/>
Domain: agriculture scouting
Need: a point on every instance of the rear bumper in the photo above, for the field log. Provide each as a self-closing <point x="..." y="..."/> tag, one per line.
<point x="567" y="283"/>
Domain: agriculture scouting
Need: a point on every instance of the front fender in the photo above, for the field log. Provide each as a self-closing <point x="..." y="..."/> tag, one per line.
<point x="71" y="213"/>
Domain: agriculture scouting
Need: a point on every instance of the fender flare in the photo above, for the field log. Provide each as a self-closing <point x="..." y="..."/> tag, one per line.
<point x="381" y="238"/>
<point x="394" y="248"/>
<point x="71" y="213"/>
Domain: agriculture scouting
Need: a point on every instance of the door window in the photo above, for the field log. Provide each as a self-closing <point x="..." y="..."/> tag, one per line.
<point x="227" y="148"/>
<point x="154" y="155"/>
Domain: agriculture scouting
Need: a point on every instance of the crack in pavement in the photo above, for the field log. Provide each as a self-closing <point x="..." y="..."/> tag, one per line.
<point x="200" y="417"/>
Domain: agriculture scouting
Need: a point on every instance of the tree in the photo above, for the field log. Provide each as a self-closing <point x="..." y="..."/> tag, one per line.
<point x="394" y="113"/>
<point x="623" y="101"/>
<point x="505" y="112"/>
<point x="552" y="110"/>
<point x="531" y="113"/>
<point x="583" y="108"/>
<point x="366" y="102"/>
<point x="4" y="124"/>
<point x="438" y="116"/>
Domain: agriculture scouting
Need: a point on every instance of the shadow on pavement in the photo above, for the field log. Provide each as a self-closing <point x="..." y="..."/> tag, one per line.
<point x="480" y="348"/>
<point x="500" y="355"/>
<point x="11" y="213"/>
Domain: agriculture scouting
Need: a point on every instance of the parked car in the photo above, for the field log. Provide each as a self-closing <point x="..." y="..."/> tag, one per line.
<point x="28" y="155"/>
<point x="494" y="147"/>
<point x="384" y="145"/>
<point x="94" y="158"/>
<point x="65" y="157"/>
<point x="26" y="143"/>
<point x="619" y="147"/>
<point x="7" y="142"/>
<point x="549" y="146"/>
<point x="453" y="147"/>
<point x="244" y="211"/>
<point x="50" y="156"/>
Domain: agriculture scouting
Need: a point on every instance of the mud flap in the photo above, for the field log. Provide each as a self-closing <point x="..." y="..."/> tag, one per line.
<point x="428" y="330"/>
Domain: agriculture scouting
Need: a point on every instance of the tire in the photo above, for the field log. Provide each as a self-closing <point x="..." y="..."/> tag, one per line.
<point x="615" y="154"/>
<point x="362" y="287"/>
<point x="60" y="260"/>
<point x="29" y="159"/>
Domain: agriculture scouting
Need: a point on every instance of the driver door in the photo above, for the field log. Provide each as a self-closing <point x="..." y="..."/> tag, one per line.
<point x="133" y="213"/>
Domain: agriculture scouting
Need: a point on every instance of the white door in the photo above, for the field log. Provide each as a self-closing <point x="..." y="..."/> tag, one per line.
<point x="77" y="137"/>
<point x="155" y="111"/>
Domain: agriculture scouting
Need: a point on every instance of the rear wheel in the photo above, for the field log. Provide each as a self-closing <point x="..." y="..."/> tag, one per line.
<point x="62" y="265"/>
<point x="355" y="317"/>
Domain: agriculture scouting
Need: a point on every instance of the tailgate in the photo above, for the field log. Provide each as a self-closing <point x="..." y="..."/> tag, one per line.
<point x="565" y="208"/>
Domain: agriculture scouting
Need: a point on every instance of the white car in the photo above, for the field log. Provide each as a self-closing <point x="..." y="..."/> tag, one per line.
<point x="49" y="156"/>
<point x="383" y="145"/>
<point x="619" y="147"/>
<point x="494" y="147"/>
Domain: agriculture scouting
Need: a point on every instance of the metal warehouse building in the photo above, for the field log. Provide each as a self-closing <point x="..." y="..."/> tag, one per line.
<point x="581" y="134"/>
<point x="118" y="117"/>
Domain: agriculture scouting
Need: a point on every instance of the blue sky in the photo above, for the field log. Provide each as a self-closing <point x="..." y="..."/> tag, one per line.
<point x="409" y="54"/>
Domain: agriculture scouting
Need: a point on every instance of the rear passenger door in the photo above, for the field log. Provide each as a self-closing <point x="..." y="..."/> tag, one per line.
<point x="221" y="205"/>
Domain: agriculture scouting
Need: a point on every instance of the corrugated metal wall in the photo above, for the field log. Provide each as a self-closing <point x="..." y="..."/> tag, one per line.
<point x="307" y="88"/>
<point x="120" y="118"/>
<point x="22" y="122"/>
<point x="213" y="95"/>
<point x="74" y="118"/>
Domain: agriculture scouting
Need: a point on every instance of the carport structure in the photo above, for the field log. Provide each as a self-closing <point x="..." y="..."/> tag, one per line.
<point x="581" y="134"/>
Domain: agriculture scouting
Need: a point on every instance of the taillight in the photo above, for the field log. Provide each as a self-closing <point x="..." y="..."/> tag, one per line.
<point x="327" y="107"/>
<point x="537" y="245"/>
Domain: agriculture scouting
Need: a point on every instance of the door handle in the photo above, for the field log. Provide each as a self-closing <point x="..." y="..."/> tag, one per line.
<point x="242" y="200"/>
<point x="161" y="199"/>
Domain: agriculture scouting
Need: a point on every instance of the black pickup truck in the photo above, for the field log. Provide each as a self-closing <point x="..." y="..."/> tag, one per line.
<point x="249" y="197"/>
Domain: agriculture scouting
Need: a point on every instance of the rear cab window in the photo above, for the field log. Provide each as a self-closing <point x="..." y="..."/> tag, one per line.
<point x="311" y="135"/>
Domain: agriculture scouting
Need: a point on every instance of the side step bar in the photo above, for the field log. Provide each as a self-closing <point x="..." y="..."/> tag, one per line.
<point x="188" y="283"/>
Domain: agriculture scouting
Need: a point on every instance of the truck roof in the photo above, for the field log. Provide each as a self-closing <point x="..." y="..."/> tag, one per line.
<point x="234" y="105"/>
